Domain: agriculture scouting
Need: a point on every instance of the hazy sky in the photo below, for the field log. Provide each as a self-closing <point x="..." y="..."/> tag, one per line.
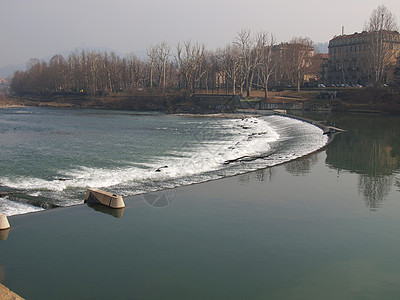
<point x="40" y="28"/>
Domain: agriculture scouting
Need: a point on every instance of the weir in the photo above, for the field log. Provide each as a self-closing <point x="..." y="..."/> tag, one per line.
<point x="243" y="145"/>
<point x="325" y="128"/>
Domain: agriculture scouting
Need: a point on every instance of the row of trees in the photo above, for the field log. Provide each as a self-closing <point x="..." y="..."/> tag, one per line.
<point x="251" y="61"/>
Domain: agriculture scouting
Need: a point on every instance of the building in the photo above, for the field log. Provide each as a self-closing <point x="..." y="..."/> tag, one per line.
<point x="321" y="67"/>
<point x="295" y="64"/>
<point x="393" y="74"/>
<point x="363" y="58"/>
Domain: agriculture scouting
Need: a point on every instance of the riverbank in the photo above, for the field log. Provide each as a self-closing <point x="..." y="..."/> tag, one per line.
<point x="170" y="103"/>
<point x="368" y="100"/>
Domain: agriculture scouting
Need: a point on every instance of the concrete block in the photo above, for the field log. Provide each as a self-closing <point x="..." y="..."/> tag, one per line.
<point x="105" y="198"/>
<point x="4" y="222"/>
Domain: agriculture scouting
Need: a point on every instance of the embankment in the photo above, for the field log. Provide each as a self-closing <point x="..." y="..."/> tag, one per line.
<point x="146" y="102"/>
<point x="375" y="99"/>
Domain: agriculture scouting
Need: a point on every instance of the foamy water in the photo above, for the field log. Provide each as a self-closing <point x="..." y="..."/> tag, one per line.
<point x="10" y="208"/>
<point x="175" y="151"/>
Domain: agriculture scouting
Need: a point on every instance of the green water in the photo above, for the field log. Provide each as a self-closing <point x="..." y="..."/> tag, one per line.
<point x="50" y="156"/>
<point x="322" y="227"/>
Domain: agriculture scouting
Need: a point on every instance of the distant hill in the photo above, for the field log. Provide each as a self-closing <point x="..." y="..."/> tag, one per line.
<point x="9" y="70"/>
<point x="322" y="47"/>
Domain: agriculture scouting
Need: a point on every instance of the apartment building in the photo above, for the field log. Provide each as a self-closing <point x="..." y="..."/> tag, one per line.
<point x="357" y="58"/>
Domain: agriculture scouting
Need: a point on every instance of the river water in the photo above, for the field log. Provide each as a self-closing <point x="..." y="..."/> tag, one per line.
<point x="49" y="157"/>
<point x="324" y="226"/>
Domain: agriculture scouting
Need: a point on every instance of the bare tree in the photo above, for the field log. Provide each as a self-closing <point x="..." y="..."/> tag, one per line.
<point x="212" y="78"/>
<point x="163" y="52"/>
<point x="230" y="64"/>
<point x="381" y="19"/>
<point x="136" y="72"/>
<point x="57" y="72"/>
<point x="159" y="56"/>
<point x="248" y="59"/>
<point x="246" y="63"/>
<point x="36" y="81"/>
<point x="190" y="60"/>
<point x="380" y="25"/>
<point x="296" y="59"/>
<point x="267" y="53"/>
<point x="152" y="54"/>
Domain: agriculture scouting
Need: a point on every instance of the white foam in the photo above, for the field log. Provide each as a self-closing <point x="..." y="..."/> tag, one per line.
<point x="246" y="137"/>
<point x="207" y="154"/>
<point x="11" y="208"/>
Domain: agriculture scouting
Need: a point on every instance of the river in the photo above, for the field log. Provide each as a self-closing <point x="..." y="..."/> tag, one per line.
<point x="324" y="226"/>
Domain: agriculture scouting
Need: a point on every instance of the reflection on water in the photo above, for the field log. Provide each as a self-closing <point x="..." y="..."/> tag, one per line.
<point x="370" y="148"/>
<point x="4" y="234"/>
<point x="297" y="167"/>
<point x="301" y="166"/>
<point x="115" y="212"/>
<point x="374" y="189"/>
<point x="261" y="175"/>
<point x="265" y="174"/>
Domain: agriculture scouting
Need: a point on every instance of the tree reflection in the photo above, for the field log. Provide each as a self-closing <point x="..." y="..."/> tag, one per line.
<point x="302" y="166"/>
<point x="265" y="174"/>
<point x="374" y="189"/>
<point x="371" y="149"/>
<point x="261" y="175"/>
<point x="398" y="184"/>
<point x="244" y="178"/>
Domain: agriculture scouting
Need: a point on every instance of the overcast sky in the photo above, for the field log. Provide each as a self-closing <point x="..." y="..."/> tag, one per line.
<point x="41" y="28"/>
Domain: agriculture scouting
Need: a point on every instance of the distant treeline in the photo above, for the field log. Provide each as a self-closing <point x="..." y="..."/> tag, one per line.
<point x="251" y="61"/>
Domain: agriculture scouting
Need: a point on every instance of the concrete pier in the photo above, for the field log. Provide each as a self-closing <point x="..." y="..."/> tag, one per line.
<point x="6" y="294"/>
<point x="105" y="198"/>
<point x="4" y="222"/>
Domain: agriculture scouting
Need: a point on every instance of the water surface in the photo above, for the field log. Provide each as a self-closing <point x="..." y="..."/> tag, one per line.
<point x="49" y="157"/>
<point x="321" y="227"/>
